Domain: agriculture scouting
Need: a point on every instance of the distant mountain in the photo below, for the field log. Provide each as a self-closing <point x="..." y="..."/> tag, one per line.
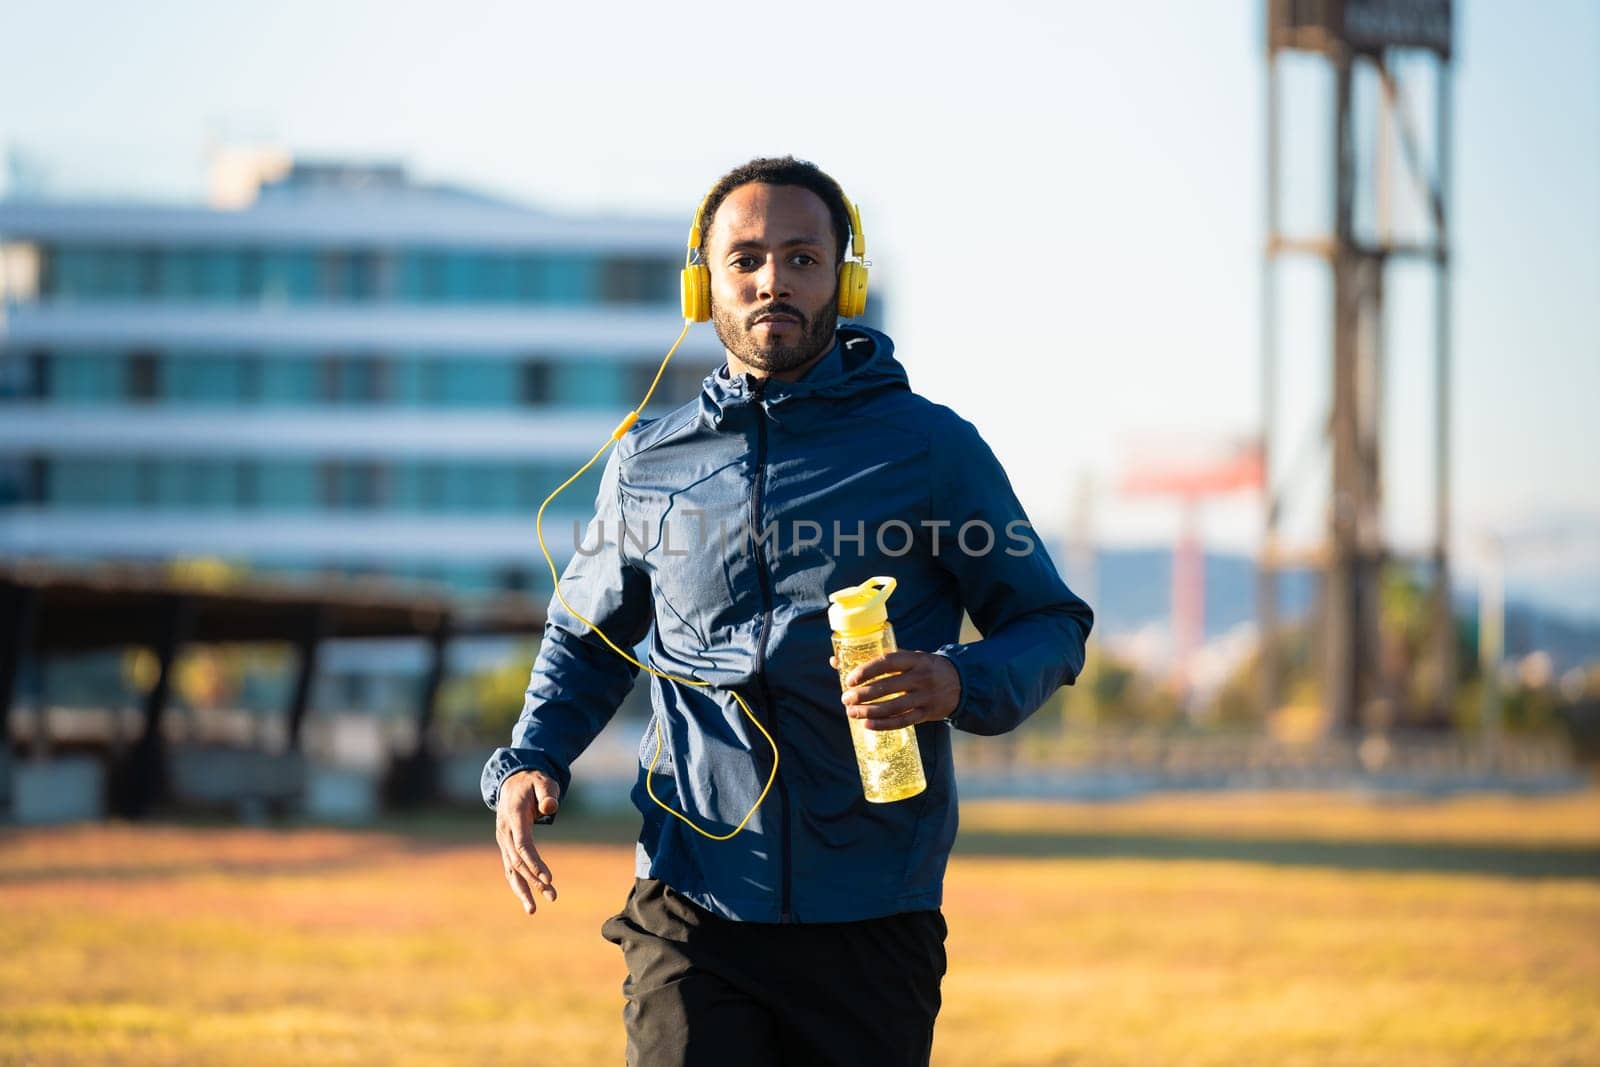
<point x="1571" y="642"/>
<point x="1133" y="588"/>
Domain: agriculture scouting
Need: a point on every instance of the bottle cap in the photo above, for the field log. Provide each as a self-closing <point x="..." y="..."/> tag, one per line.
<point x="860" y="607"/>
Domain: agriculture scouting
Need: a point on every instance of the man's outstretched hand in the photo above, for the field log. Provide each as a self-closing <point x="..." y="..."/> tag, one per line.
<point x="524" y="797"/>
<point x="929" y="689"/>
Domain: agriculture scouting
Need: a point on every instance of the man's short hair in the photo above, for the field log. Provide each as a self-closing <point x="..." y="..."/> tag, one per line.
<point x="785" y="170"/>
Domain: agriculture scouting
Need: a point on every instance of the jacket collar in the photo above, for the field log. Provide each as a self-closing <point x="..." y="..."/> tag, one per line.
<point x="866" y="363"/>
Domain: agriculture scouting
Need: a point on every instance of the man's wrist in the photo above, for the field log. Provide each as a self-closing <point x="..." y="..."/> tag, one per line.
<point x="949" y="654"/>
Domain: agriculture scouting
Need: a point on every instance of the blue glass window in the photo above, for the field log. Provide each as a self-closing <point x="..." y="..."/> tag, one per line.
<point x="352" y="485"/>
<point x="251" y="273"/>
<point x="638" y="281"/>
<point x="421" y="276"/>
<point x="587" y="383"/>
<point x="203" y="379"/>
<point x="86" y="377"/>
<point x="352" y="380"/>
<point x="210" y="483"/>
<point x="289" y="276"/>
<point x="20" y="376"/>
<point x="73" y="270"/>
<point x="433" y="481"/>
<point x="14" y="482"/>
<point x="460" y="276"/>
<point x="287" y="485"/>
<point x="91" y="482"/>
<point x="572" y="278"/>
<point x="119" y="276"/>
<point x="500" y="487"/>
<point x="180" y="271"/>
<point x="533" y="382"/>
<point x="219" y="274"/>
<point x="469" y="578"/>
<point x="300" y="275"/>
<point x="406" y="488"/>
<point x="196" y="483"/>
<point x="535" y="481"/>
<point x="288" y="380"/>
<point x="410" y="378"/>
<point x="494" y="282"/>
<point x="470" y="382"/>
<point x="468" y="487"/>
<point x="529" y="279"/>
<point x="350" y="275"/>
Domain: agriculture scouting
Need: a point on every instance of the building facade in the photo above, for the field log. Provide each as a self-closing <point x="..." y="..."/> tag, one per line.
<point x="351" y="374"/>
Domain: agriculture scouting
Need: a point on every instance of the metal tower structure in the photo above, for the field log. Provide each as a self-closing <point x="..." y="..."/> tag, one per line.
<point x="1360" y="40"/>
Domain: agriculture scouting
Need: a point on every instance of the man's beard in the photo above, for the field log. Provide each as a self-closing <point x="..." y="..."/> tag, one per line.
<point x="816" y="334"/>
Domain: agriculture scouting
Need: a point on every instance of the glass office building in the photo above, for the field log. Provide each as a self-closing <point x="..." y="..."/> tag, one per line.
<point x="352" y="373"/>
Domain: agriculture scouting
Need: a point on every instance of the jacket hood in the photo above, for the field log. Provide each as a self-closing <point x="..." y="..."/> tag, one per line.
<point x="869" y="365"/>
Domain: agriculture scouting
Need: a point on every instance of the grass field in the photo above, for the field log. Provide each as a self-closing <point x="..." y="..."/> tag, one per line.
<point x="1260" y="929"/>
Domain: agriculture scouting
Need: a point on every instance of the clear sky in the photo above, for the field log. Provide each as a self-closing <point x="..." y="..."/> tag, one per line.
<point x="1064" y="200"/>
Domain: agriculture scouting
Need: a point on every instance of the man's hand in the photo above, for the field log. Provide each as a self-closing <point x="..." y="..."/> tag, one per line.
<point x="524" y="797"/>
<point x="929" y="689"/>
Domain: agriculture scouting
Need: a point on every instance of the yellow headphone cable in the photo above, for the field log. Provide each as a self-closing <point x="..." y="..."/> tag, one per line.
<point x="616" y="435"/>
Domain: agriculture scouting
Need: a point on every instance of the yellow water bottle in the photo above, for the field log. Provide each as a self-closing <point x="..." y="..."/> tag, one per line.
<point x="890" y="765"/>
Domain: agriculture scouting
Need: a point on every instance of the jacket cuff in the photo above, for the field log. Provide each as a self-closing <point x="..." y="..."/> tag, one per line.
<point x="955" y="653"/>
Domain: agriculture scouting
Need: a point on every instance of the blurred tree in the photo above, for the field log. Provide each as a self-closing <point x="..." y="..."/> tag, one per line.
<point x="206" y="572"/>
<point x="483" y="706"/>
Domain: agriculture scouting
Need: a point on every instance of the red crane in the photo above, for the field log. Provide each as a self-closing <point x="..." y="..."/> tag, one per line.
<point x="1192" y="473"/>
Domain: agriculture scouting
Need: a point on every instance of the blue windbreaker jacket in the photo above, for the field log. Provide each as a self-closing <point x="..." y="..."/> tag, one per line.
<point x="725" y="524"/>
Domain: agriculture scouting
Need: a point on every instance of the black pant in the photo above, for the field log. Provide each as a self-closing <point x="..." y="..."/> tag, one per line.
<point x="702" y="989"/>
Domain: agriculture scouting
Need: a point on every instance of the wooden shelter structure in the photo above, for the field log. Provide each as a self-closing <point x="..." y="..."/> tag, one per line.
<point x="49" y="609"/>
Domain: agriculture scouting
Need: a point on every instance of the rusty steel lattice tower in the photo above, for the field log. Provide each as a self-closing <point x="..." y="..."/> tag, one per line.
<point x="1362" y="41"/>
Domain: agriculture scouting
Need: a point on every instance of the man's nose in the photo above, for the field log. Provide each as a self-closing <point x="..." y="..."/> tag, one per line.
<point x="772" y="281"/>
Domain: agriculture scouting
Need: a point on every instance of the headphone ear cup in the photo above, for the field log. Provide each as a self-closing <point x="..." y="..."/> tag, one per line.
<point x="694" y="289"/>
<point x="852" y="288"/>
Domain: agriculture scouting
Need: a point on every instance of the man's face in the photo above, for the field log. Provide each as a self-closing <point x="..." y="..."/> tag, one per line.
<point x="774" y="280"/>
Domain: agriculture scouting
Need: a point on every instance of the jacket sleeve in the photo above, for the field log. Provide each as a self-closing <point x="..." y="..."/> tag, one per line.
<point x="577" y="682"/>
<point x="1034" y="627"/>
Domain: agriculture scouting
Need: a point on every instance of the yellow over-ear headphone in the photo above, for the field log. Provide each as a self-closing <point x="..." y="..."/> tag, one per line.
<point x="696" y="284"/>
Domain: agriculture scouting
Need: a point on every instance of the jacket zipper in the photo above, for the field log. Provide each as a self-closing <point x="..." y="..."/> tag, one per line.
<point x="787" y="914"/>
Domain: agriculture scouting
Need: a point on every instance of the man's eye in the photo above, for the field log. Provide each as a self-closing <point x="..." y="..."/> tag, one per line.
<point x="744" y="263"/>
<point x="803" y="259"/>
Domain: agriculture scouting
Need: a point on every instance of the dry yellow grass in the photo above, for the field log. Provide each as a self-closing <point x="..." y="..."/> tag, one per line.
<point x="1271" y="930"/>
